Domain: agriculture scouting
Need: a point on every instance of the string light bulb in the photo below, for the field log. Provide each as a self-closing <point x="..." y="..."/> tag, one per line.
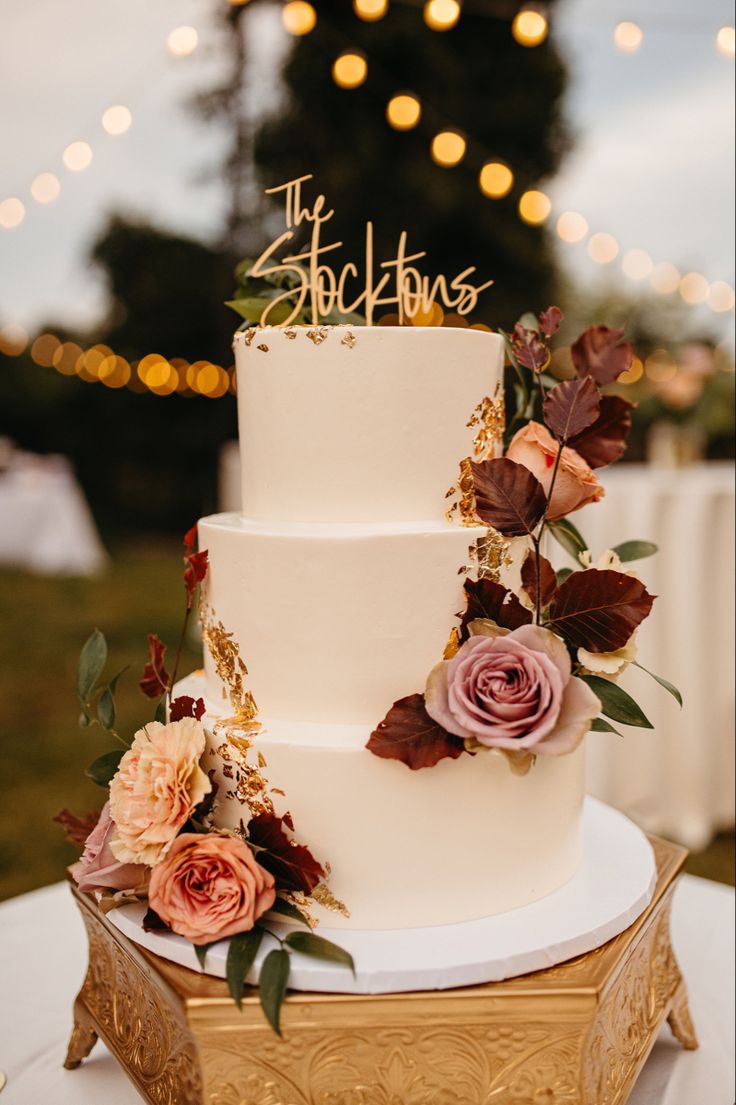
<point x="726" y="42"/>
<point x="350" y="69"/>
<point x="637" y="264"/>
<point x="530" y="27"/>
<point x="12" y="213"/>
<point x="694" y="288"/>
<point x="534" y="207"/>
<point x="572" y="226"/>
<point x="721" y="296"/>
<point x="448" y="148"/>
<point x="665" y="278"/>
<point x="45" y="188"/>
<point x="603" y="248"/>
<point x="370" y="10"/>
<point x="77" y="156"/>
<point x="403" y="111"/>
<point x="628" y="37"/>
<point x="298" y="17"/>
<point x="496" y="180"/>
<point x="441" y="15"/>
<point x="117" y="120"/>
<point x="182" y="41"/>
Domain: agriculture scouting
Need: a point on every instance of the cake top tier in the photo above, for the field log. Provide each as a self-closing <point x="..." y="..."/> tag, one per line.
<point x="360" y="423"/>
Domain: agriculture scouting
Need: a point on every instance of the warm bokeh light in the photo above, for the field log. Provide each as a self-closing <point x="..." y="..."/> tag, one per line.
<point x="114" y="372"/>
<point x="403" y="111"/>
<point x="529" y="27"/>
<point x="370" y="10"/>
<point x="694" y="288"/>
<point x="572" y="226"/>
<point x="628" y="37"/>
<point x="441" y="15"/>
<point x="43" y="349"/>
<point x="117" y="119"/>
<point x="298" y="17"/>
<point x="434" y="316"/>
<point x="721" y="296"/>
<point x="66" y="358"/>
<point x="634" y="373"/>
<point x="350" y="69"/>
<point x="726" y="42"/>
<point x="12" y="213"/>
<point x="13" y="339"/>
<point x="660" y="366"/>
<point x="496" y="180"/>
<point x="534" y="207"/>
<point x="77" y="156"/>
<point x="208" y="379"/>
<point x="45" y="188"/>
<point x="182" y="41"/>
<point x="603" y="248"/>
<point x="448" y="148"/>
<point x="637" y="264"/>
<point x="665" y="278"/>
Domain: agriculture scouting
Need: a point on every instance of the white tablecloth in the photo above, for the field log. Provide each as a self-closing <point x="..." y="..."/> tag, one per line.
<point x="43" y="959"/>
<point x="45" y="523"/>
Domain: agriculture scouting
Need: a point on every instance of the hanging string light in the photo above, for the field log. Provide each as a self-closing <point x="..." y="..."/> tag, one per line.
<point x="45" y="188"/>
<point x="403" y="111"/>
<point x="603" y="248"/>
<point x="298" y="17"/>
<point x="495" y="180"/>
<point x="370" y="10"/>
<point x="12" y="213"/>
<point x="116" y="120"/>
<point x="448" y="148"/>
<point x="628" y="37"/>
<point x="441" y="15"/>
<point x="530" y="26"/>
<point x="572" y="226"/>
<point x="350" y="69"/>
<point x="77" y="156"/>
<point x="534" y="207"/>
<point x="726" y="42"/>
<point x="182" y="41"/>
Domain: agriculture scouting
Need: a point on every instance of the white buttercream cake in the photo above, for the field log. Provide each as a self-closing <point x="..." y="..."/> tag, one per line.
<point x="332" y="595"/>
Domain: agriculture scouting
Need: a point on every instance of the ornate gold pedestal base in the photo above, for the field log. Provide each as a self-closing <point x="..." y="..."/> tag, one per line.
<point x="577" y="1034"/>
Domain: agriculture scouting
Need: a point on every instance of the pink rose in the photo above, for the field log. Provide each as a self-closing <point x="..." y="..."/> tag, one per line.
<point x="575" y="485"/>
<point x="98" y="869"/>
<point x="512" y="690"/>
<point x="210" y="887"/>
<point x="157" y="786"/>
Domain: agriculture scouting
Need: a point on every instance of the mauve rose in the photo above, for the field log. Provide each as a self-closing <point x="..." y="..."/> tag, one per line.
<point x="98" y="869"/>
<point x="512" y="690"/>
<point x="209" y="887"/>
<point x="575" y="485"/>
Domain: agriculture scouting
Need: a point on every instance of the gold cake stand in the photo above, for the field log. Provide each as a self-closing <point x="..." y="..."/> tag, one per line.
<point x="575" y="1034"/>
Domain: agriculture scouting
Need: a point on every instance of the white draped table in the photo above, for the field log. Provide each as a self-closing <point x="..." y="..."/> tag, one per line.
<point x="43" y="959"/>
<point x="45" y="522"/>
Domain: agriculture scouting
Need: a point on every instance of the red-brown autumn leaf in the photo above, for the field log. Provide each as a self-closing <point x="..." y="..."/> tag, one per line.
<point x="529" y="349"/>
<point x="408" y="733"/>
<point x="548" y="579"/>
<point x="195" y="569"/>
<point x="77" y="829"/>
<point x="599" y="610"/>
<point x="155" y="681"/>
<point x="186" y="706"/>
<point x="571" y="407"/>
<point x="508" y="496"/>
<point x="291" y="864"/>
<point x="597" y="353"/>
<point x="190" y="538"/>
<point x="605" y="441"/>
<point x="488" y="599"/>
<point x="549" y="321"/>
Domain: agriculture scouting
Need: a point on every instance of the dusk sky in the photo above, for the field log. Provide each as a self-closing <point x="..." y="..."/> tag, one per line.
<point x="652" y="164"/>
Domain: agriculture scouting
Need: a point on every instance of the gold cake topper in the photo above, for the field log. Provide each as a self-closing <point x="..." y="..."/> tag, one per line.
<point x="326" y="291"/>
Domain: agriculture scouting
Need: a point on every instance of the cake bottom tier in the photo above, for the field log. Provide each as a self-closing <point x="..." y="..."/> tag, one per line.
<point x="465" y="839"/>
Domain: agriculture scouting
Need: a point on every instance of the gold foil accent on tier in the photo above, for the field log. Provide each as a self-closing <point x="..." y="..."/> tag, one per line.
<point x="490" y="418"/>
<point x="262" y="348"/>
<point x="453" y="644"/>
<point x="323" y="896"/>
<point x="318" y="334"/>
<point x="349" y="340"/>
<point x="249" y="335"/>
<point x="290" y="332"/>
<point x="491" y="554"/>
<point x="466" y="487"/>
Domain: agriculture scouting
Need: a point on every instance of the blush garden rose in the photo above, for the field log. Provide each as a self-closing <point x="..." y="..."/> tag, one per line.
<point x="576" y="484"/>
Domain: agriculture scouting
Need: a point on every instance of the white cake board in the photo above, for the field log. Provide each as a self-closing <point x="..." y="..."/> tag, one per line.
<point x="612" y="887"/>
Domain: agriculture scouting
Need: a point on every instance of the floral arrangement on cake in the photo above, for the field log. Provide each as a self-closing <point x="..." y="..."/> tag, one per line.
<point x="533" y="667"/>
<point x="154" y="839"/>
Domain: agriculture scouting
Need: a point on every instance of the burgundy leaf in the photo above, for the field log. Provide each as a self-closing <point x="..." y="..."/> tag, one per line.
<point x="549" y="321"/>
<point x="155" y="681"/>
<point x="548" y="584"/>
<point x="529" y="349"/>
<point x="152" y="922"/>
<point x="488" y="599"/>
<point x="195" y="569"/>
<point x="77" y="829"/>
<point x="597" y="353"/>
<point x="186" y="706"/>
<point x="190" y="538"/>
<point x="599" y="610"/>
<point x="605" y="441"/>
<point x="508" y="496"/>
<point x="572" y="407"/>
<point x="292" y="865"/>
<point x="409" y="734"/>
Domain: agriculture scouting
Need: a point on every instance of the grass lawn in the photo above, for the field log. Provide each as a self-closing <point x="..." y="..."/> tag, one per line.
<point x="43" y="753"/>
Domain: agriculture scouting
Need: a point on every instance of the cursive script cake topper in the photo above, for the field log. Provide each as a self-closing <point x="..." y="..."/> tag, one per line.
<point x="311" y="283"/>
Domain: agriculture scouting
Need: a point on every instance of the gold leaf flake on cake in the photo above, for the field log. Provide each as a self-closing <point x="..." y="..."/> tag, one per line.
<point x="466" y="487"/>
<point x="490" y="418"/>
<point x="453" y="644"/>
<point x="318" y="334"/>
<point x="290" y="332"/>
<point x="491" y="554"/>
<point x="349" y="340"/>
<point x="262" y="348"/>
<point x="249" y="335"/>
<point x="323" y="896"/>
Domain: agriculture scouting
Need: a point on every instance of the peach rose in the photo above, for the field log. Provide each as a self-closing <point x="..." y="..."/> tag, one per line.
<point x="576" y="484"/>
<point x="98" y="869"/>
<point x="210" y="887"/>
<point x="157" y="786"/>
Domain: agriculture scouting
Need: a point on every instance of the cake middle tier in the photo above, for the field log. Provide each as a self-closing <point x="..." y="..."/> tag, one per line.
<point x="334" y="622"/>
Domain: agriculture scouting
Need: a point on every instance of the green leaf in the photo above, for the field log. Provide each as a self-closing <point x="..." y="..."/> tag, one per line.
<point x="84" y="720"/>
<point x="240" y="958"/>
<point x="662" y="682"/>
<point x="272" y="985"/>
<point x="92" y="660"/>
<point x="568" y="536"/>
<point x="104" y="767"/>
<point x="288" y="909"/>
<point x="106" y="709"/>
<point x="318" y="948"/>
<point x="616" y="703"/>
<point x="600" y="725"/>
<point x="635" y="550"/>
<point x="252" y="307"/>
<point x="563" y="573"/>
<point x="200" y="950"/>
<point x="160" y="714"/>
